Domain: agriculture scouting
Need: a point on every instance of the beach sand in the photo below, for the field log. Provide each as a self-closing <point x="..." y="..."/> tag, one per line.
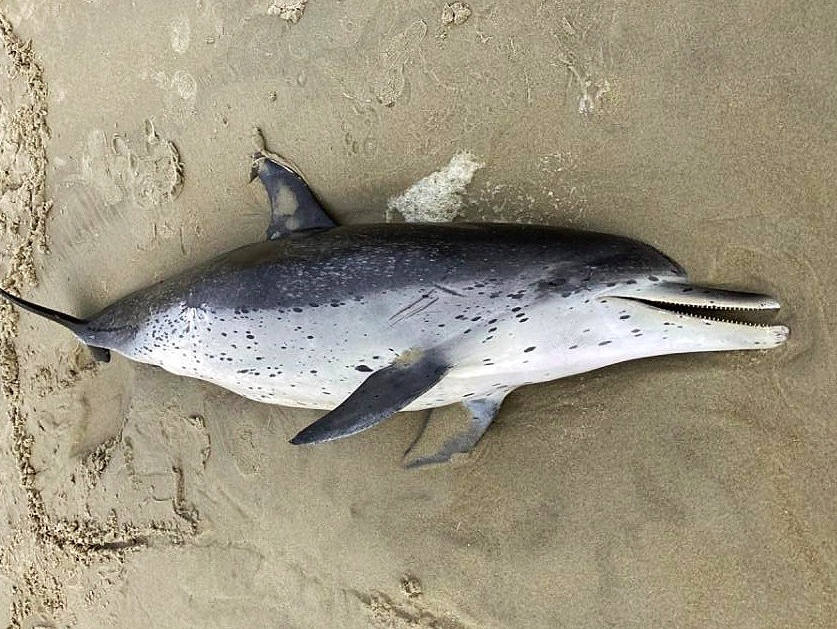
<point x="682" y="491"/>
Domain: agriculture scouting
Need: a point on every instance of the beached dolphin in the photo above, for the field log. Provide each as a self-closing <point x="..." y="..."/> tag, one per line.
<point x="369" y="320"/>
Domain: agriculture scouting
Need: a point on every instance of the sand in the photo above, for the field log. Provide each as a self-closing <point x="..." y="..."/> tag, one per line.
<point x="684" y="491"/>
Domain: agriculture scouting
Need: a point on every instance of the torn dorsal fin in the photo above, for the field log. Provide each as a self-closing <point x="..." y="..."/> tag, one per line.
<point x="293" y="207"/>
<point x="381" y="395"/>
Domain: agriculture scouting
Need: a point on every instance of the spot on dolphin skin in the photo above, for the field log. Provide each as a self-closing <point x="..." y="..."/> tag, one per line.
<point x="363" y="368"/>
<point x="529" y="349"/>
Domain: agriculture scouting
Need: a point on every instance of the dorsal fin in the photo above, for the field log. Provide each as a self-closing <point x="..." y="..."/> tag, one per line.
<point x="293" y="207"/>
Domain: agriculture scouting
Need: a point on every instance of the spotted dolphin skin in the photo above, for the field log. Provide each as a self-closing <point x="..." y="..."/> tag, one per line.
<point x="368" y="320"/>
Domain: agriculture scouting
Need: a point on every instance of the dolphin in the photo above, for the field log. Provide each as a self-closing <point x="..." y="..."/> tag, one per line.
<point x="367" y="320"/>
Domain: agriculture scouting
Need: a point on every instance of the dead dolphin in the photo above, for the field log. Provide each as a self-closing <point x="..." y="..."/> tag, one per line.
<point x="369" y="320"/>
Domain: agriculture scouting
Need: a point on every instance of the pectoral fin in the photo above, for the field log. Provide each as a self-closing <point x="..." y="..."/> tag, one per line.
<point x="293" y="207"/>
<point x="450" y="431"/>
<point x="381" y="395"/>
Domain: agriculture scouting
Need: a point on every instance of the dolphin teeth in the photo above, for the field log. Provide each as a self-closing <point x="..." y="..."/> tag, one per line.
<point x="700" y="312"/>
<point x="751" y="324"/>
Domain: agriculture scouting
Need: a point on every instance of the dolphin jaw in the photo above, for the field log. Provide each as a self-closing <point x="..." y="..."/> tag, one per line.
<point x="709" y="304"/>
<point x="675" y="316"/>
<point x="721" y="314"/>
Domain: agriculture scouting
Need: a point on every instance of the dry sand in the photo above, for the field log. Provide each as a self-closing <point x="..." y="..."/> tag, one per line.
<point x="687" y="491"/>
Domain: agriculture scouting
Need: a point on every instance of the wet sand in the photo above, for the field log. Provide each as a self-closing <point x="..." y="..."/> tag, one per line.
<point x="683" y="491"/>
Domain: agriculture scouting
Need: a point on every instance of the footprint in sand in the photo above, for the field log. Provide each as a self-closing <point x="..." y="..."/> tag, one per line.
<point x="389" y="83"/>
<point x="137" y="173"/>
<point x="584" y="35"/>
<point x="146" y="173"/>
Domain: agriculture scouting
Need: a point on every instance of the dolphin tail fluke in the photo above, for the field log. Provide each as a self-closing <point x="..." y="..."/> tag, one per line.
<point x="75" y="325"/>
<point x="381" y="395"/>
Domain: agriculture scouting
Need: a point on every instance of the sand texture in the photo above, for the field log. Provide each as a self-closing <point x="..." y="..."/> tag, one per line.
<point x="684" y="491"/>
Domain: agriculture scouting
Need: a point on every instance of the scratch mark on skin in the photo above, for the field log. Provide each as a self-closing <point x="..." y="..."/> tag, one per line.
<point x="405" y="313"/>
<point x="449" y="291"/>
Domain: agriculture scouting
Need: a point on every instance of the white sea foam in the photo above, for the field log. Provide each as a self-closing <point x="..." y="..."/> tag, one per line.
<point x="437" y="197"/>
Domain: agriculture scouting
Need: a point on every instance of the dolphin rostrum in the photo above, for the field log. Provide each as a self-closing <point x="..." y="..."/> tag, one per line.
<point x="368" y="320"/>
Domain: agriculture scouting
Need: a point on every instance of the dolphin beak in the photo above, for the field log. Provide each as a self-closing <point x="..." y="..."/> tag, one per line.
<point x="688" y="318"/>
